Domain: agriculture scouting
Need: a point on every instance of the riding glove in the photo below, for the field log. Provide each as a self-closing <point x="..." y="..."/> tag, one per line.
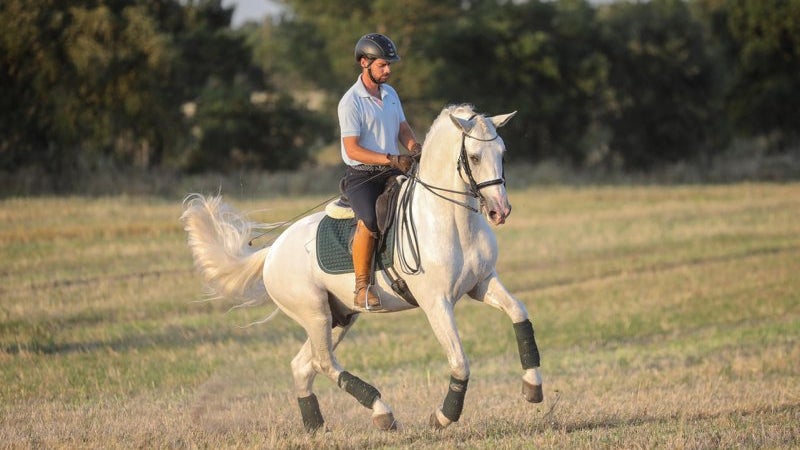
<point x="401" y="162"/>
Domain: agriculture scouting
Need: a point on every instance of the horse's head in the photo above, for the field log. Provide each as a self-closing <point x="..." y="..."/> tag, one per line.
<point x="480" y="163"/>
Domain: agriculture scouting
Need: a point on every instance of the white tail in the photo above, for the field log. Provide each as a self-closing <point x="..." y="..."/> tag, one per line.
<point x="219" y="239"/>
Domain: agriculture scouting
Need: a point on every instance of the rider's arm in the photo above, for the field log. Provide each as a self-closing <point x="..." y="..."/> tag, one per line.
<point x="365" y="156"/>
<point x="408" y="139"/>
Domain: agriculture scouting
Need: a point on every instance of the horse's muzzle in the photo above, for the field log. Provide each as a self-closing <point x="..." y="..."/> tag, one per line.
<point x="499" y="213"/>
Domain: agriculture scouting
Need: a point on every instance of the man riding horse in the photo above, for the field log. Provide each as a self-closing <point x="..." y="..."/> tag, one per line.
<point x="372" y="122"/>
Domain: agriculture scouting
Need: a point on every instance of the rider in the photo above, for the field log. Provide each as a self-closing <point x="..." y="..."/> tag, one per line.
<point x="372" y="122"/>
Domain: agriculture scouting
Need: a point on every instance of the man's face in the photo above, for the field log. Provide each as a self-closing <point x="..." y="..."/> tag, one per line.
<point x="380" y="69"/>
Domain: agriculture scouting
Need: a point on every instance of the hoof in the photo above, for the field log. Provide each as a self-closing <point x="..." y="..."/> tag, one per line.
<point x="385" y="422"/>
<point x="532" y="392"/>
<point x="436" y="421"/>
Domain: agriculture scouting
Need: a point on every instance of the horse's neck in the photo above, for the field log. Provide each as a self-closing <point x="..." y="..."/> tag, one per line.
<point x="439" y="169"/>
<point x="448" y="228"/>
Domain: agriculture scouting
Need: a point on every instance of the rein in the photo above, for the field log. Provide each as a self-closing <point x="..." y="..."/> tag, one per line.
<point x="463" y="164"/>
<point x="407" y="229"/>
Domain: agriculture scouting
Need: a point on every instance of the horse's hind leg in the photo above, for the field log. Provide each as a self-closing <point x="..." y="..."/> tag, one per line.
<point x="304" y="374"/>
<point x="322" y="360"/>
<point x="492" y="292"/>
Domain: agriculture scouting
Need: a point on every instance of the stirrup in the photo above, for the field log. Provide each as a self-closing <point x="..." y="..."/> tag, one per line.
<point x="366" y="305"/>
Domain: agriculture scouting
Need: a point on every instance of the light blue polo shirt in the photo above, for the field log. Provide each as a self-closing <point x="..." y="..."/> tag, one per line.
<point x="376" y="125"/>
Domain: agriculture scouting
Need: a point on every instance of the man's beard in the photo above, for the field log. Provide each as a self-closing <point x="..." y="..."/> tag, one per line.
<point x="376" y="80"/>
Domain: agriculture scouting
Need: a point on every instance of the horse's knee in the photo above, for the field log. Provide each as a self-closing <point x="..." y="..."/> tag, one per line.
<point x="494" y="294"/>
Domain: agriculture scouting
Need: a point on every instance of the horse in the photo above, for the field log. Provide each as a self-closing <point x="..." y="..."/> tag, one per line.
<point x="446" y="211"/>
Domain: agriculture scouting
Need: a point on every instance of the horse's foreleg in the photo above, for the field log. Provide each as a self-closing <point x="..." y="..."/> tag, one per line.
<point x="443" y="324"/>
<point x="492" y="292"/>
<point x="304" y="374"/>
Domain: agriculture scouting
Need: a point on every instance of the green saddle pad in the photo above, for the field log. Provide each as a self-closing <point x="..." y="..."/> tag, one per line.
<point x="333" y="245"/>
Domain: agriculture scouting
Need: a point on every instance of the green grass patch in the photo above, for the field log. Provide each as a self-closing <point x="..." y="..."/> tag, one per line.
<point x="666" y="317"/>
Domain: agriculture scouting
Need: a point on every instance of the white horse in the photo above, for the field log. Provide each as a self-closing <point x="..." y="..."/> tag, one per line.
<point x="458" y="186"/>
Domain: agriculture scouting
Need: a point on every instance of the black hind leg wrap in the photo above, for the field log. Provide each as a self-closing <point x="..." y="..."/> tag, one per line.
<point x="528" y="351"/>
<point x="312" y="416"/>
<point x="454" y="401"/>
<point x="358" y="388"/>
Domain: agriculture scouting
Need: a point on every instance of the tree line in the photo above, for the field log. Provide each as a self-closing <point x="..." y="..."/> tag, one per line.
<point x="88" y="85"/>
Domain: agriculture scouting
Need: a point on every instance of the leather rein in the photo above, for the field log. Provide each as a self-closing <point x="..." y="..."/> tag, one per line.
<point x="407" y="229"/>
<point x="463" y="164"/>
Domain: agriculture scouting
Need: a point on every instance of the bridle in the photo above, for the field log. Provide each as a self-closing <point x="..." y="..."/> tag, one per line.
<point x="406" y="227"/>
<point x="463" y="165"/>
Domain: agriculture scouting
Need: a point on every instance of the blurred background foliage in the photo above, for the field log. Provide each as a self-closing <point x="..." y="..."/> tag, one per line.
<point x="90" y="86"/>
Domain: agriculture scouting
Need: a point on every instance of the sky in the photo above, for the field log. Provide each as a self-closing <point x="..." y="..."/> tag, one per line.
<point x="251" y="10"/>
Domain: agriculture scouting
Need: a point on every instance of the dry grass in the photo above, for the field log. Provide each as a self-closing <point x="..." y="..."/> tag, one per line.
<point x="666" y="317"/>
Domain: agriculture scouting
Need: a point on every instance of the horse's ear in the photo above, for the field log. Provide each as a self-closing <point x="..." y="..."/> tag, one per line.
<point x="501" y="120"/>
<point x="463" y="124"/>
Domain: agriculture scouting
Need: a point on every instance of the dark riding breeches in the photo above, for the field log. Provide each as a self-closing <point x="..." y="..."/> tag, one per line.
<point x="362" y="188"/>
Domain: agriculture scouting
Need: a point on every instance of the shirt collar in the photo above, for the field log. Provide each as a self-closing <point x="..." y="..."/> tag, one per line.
<point x="362" y="91"/>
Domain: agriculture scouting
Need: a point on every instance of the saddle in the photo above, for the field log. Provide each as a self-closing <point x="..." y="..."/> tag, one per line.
<point x="335" y="236"/>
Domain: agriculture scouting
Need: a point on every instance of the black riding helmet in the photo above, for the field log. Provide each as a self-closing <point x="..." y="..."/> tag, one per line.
<point x="373" y="46"/>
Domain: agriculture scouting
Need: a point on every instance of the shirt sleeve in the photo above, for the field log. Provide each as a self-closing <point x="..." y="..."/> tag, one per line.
<point x="349" y="117"/>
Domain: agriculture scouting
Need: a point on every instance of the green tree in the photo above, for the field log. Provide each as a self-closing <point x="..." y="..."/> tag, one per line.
<point x="234" y="132"/>
<point x="536" y="57"/>
<point x="98" y="83"/>
<point x="764" y="98"/>
<point x="241" y="121"/>
<point x="29" y="67"/>
<point x="315" y="42"/>
<point x="664" y="105"/>
<point x="79" y="84"/>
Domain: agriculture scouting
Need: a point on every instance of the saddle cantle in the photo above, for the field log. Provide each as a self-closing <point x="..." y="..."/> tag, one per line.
<point x="340" y="208"/>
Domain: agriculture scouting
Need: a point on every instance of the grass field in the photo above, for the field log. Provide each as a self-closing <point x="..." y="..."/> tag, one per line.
<point x="667" y="317"/>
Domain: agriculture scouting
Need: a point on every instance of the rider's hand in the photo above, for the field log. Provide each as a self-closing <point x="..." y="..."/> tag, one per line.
<point x="401" y="162"/>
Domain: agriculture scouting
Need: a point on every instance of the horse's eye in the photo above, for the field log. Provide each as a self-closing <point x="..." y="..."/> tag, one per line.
<point x="475" y="159"/>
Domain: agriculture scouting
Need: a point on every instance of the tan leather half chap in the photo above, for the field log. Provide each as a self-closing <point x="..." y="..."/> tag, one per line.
<point x="363" y="251"/>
